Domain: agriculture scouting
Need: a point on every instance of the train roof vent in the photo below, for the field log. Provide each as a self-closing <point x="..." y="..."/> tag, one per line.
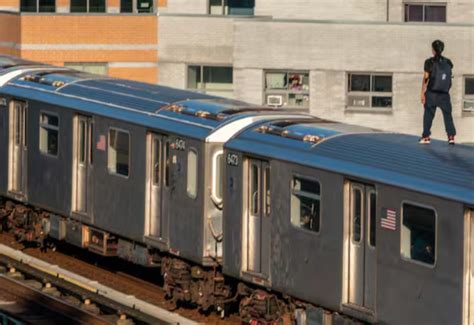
<point x="296" y="129"/>
<point x="54" y="78"/>
<point x="211" y="115"/>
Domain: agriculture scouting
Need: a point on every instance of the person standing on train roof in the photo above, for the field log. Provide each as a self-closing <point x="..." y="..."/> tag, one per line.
<point x="435" y="92"/>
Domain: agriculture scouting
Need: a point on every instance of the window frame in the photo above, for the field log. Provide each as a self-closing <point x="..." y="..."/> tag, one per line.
<point x="71" y="65"/>
<point x="424" y="5"/>
<point x="49" y="127"/>
<point x="110" y="172"/>
<point x="370" y="93"/>
<point x="37" y="8"/>
<point x="402" y="214"/>
<point x="217" y="200"/>
<point x="224" y="6"/>
<point x="135" y="8"/>
<point x="311" y="179"/>
<point x="465" y="97"/>
<point x="201" y="89"/>
<point x="196" y="169"/>
<point x="87" y="11"/>
<point x="286" y="92"/>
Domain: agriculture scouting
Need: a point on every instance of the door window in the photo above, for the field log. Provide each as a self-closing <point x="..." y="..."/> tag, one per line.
<point x="254" y="189"/>
<point x="192" y="174"/>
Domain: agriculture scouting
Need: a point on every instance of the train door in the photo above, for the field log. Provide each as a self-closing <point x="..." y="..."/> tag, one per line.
<point x="362" y="245"/>
<point x="258" y="218"/>
<point x="17" y="149"/>
<point x="158" y="186"/>
<point x="83" y="135"/>
<point x="470" y="239"/>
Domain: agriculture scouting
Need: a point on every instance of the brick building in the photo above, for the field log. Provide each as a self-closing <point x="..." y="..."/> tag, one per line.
<point x="114" y="37"/>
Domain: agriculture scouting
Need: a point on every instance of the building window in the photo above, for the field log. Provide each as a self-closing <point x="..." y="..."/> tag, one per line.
<point x="421" y="12"/>
<point x="370" y="91"/>
<point x="192" y="171"/>
<point x="305" y="204"/>
<point x="211" y="80"/>
<point x="49" y="134"/>
<point x="119" y="152"/>
<point x="38" y="6"/>
<point x="89" y="67"/>
<point x="87" y="5"/>
<point x="468" y="94"/>
<point x="141" y="6"/>
<point x="231" y="7"/>
<point x="287" y="89"/>
<point x="418" y="237"/>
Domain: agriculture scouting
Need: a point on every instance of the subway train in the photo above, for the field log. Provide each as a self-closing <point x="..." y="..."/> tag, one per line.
<point x="285" y="217"/>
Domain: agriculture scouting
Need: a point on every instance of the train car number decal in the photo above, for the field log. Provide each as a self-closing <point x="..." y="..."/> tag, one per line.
<point x="232" y="159"/>
<point x="179" y="144"/>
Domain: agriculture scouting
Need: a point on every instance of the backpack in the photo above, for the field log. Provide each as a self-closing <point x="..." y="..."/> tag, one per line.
<point x="440" y="77"/>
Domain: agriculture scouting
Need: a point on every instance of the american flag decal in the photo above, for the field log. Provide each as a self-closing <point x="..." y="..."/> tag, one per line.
<point x="389" y="219"/>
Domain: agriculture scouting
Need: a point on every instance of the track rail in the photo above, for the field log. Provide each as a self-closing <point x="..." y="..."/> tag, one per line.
<point x="83" y="286"/>
<point x="43" y="308"/>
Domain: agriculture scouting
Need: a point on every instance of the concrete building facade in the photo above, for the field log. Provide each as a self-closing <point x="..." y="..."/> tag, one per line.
<point x="354" y="61"/>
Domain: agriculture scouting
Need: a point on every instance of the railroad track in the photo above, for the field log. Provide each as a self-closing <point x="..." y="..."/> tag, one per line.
<point x="138" y="292"/>
<point x="31" y="305"/>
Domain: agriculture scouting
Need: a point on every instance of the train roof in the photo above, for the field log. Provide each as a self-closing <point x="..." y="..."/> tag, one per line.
<point x="153" y="106"/>
<point x="395" y="159"/>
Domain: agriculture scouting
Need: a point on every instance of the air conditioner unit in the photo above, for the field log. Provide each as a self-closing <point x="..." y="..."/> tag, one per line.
<point x="359" y="101"/>
<point x="468" y="106"/>
<point x="275" y="100"/>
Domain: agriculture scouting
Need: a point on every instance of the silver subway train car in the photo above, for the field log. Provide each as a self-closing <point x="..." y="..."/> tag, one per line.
<point x="285" y="216"/>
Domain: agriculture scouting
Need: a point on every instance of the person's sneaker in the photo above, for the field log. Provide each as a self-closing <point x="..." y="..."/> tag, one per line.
<point x="451" y="139"/>
<point x="424" y="140"/>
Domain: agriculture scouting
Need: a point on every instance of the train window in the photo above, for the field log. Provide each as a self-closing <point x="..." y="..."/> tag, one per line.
<point x="306" y="204"/>
<point x="119" y="152"/>
<point x="192" y="177"/>
<point x="418" y="234"/>
<point x="372" y="218"/>
<point x="356" y="215"/>
<point x="49" y="134"/>
<point x="167" y="164"/>
<point x="156" y="161"/>
<point x="82" y="144"/>
<point x="254" y="189"/>
<point x="218" y="177"/>
<point x="266" y="177"/>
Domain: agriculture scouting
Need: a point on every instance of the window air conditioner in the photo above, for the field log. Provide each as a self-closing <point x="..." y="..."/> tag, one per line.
<point x="359" y="101"/>
<point x="275" y="100"/>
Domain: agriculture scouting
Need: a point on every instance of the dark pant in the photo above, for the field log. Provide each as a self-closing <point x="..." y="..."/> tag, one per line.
<point x="443" y="101"/>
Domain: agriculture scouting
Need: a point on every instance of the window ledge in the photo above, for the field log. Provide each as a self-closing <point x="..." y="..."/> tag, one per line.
<point x="370" y="110"/>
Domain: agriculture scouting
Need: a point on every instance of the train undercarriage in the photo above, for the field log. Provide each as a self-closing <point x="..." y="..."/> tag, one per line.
<point x="205" y="288"/>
